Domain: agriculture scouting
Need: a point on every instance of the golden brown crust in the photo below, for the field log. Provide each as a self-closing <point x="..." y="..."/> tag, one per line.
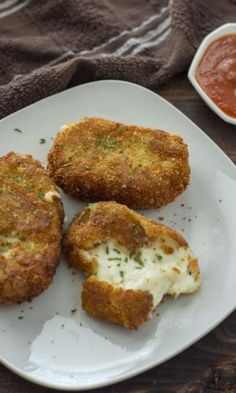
<point x="102" y="221"/>
<point x="124" y="307"/>
<point x="99" y="223"/>
<point x="30" y="229"/>
<point x="97" y="159"/>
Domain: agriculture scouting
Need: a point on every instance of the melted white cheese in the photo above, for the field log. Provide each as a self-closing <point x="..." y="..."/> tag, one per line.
<point x="152" y="270"/>
<point x="48" y="196"/>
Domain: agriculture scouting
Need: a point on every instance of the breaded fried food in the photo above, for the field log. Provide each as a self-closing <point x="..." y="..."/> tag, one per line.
<point x="30" y="228"/>
<point x="130" y="263"/>
<point x="97" y="159"/>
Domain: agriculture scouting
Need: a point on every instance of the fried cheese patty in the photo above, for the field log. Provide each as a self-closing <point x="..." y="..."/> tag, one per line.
<point x="130" y="262"/>
<point x="97" y="159"/>
<point x="30" y="228"/>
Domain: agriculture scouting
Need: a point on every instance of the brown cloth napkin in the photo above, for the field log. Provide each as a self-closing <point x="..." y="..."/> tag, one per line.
<point x="47" y="46"/>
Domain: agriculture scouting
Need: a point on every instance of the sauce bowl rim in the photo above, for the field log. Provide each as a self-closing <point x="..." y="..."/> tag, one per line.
<point x="228" y="28"/>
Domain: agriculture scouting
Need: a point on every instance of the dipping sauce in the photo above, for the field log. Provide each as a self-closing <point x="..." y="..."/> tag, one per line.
<point x="216" y="73"/>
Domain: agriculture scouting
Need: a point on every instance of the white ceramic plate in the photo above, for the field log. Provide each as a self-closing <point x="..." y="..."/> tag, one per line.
<point x="51" y="341"/>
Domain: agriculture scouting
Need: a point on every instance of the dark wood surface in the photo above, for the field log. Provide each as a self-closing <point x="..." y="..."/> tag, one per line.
<point x="209" y="365"/>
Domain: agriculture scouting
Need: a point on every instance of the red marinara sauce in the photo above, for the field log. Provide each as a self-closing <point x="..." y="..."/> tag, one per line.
<point x="216" y="73"/>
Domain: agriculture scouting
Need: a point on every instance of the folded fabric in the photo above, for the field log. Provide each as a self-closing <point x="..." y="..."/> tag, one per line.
<point x="47" y="46"/>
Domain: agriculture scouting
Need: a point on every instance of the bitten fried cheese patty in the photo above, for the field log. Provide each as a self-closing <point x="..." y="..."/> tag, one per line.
<point x="30" y="228"/>
<point x="131" y="262"/>
<point x="97" y="159"/>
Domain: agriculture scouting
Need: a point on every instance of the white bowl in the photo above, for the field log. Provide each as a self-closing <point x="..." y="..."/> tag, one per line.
<point x="228" y="28"/>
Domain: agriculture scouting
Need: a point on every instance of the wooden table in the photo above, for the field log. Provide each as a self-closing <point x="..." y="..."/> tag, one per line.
<point x="209" y="365"/>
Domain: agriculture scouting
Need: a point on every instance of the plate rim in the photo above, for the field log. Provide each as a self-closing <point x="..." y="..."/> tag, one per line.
<point x="139" y="369"/>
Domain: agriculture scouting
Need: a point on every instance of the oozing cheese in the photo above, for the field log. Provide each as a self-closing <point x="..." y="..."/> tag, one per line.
<point x="48" y="196"/>
<point x="152" y="269"/>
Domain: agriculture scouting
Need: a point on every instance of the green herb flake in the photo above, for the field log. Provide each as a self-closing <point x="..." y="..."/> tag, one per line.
<point x="137" y="230"/>
<point x="106" y="143"/>
<point x="138" y="260"/>
<point x="116" y="250"/>
<point x="107" y="250"/>
<point x="18" y="178"/>
<point x="23" y="238"/>
<point x="5" y="247"/>
<point x="42" y="141"/>
<point x="29" y="187"/>
<point x="18" y="130"/>
<point x="40" y="194"/>
<point x="122" y="273"/>
<point x="126" y="259"/>
<point x="114" y="259"/>
<point x="159" y="257"/>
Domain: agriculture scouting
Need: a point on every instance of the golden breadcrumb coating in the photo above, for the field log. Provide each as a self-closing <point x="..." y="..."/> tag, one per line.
<point x="30" y="228"/>
<point x="101" y="223"/>
<point x="97" y="159"/>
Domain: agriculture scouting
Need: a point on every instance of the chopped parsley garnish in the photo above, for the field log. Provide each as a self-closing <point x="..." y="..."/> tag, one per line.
<point x="106" y="143"/>
<point x="5" y="247"/>
<point x="18" y="130"/>
<point x="107" y="250"/>
<point x="18" y="178"/>
<point x="122" y="273"/>
<point x="42" y="141"/>
<point x="138" y="260"/>
<point x="114" y="259"/>
<point x="23" y="238"/>
<point x="159" y="257"/>
<point x="40" y="194"/>
<point x="29" y="187"/>
<point x="126" y="259"/>
<point x="137" y="230"/>
<point x="116" y="250"/>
